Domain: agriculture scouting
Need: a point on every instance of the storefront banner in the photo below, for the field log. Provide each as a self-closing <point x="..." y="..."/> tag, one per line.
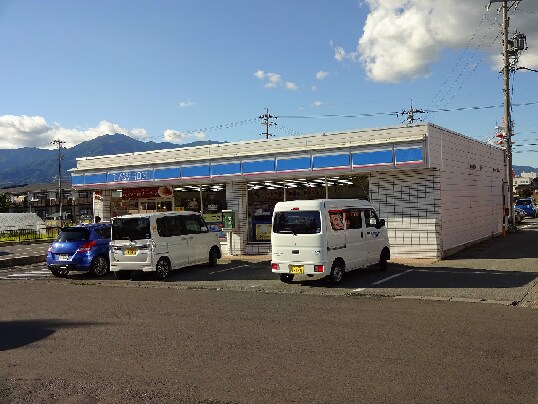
<point x="147" y="192"/>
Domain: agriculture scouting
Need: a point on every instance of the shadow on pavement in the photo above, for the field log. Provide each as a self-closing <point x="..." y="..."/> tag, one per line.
<point x="16" y="334"/>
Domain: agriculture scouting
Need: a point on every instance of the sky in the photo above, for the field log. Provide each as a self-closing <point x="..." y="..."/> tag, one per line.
<point x="185" y="70"/>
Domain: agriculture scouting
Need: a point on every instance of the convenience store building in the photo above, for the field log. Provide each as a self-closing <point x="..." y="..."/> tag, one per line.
<point x="439" y="191"/>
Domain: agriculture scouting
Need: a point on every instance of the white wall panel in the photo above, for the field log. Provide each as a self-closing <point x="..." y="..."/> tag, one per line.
<point x="409" y="201"/>
<point x="471" y="188"/>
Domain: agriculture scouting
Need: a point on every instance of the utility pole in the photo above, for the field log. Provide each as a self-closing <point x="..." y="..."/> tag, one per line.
<point x="267" y="123"/>
<point x="410" y="114"/>
<point x="511" y="48"/>
<point x="60" y="156"/>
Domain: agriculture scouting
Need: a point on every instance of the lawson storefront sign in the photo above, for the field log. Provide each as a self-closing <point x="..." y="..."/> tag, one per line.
<point x="387" y="157"/>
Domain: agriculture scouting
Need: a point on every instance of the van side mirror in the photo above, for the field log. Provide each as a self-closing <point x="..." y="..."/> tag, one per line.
<point x="381" y="223"/>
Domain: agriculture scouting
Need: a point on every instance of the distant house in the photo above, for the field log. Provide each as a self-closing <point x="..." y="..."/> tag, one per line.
<point x="44" y="201"/>
<point x="17" y="221"/>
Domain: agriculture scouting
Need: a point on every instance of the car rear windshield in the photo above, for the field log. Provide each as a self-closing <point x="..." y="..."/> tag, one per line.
<point x="297" y="222"/>
<point x="523" y="202"/>
<point x="73" y="234"/>
<point x="132" y="228"/>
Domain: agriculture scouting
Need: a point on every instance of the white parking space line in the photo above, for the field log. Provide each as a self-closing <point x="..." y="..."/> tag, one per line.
<point x="391" y="277"/>
<point x="27" y="275"/>
<point x="383" y="280"/>
<point x="229" y="269"/>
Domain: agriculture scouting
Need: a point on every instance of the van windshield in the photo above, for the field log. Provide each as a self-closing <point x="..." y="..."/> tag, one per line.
<point x="131" y="228"/>
<point x="297" y="222"/>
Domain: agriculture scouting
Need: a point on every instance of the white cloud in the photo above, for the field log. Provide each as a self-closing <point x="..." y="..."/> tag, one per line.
<point x="260" y="74"/>
<point x="274" y="80"/>
<point x="321" y="75"/>
<point x="401" y="39"/>
<point x="186" y="104"/>
<point x="317" y="104"/>
<point x="291" y="86"/>
<point x="176" y="136"/>
<point x="341" y="55"/>
<point x="314" y="88"/>
<point x="34" y="131"/>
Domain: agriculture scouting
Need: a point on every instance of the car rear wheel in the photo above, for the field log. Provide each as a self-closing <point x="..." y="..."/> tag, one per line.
<point x="163" y="268"/>
<point x="337" y="273"/>
<point x="99" y="266"/>
<point x="60" y="273"/>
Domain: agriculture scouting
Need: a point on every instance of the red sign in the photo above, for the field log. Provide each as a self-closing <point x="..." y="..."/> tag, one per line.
<point x="147" y="192"/>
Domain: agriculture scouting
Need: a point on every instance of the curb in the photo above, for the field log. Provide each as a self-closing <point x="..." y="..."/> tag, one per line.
<point x="16" y="261"/>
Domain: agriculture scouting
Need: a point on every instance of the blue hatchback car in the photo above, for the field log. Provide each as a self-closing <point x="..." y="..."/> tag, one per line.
<point x="527" y="205"/>
<point x="80" y="248"/>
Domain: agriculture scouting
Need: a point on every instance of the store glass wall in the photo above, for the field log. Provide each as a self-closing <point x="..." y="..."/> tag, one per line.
<point x="262" y="200"/>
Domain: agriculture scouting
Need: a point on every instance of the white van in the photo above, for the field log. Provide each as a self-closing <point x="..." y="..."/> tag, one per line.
<point x="327" y="237"/>
<point x="160" y="242"/>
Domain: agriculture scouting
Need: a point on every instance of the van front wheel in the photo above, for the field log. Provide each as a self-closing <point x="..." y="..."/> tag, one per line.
<point x="162" y="269"/>
<point x="337" y="273"/>
<point x="213" y="257"/>
<point x="383" y="258"/>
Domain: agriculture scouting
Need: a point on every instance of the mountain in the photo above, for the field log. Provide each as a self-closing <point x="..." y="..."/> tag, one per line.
<point x="528" y="169"/>
<point x="30" y="165"/>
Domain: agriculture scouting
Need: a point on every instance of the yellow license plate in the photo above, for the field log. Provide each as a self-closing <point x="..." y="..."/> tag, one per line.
<point x="130" y="251"/>
<point x="297" y="269"/>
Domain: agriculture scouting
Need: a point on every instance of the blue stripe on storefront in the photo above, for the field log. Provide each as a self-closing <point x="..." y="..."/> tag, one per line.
<point x="409" y="155"/>
<point x="293" y="164"/>
<point x="195" y="171"/>
<point x="167" y="173"/>
<point x="225" y="169"/>
<point x="330" y="161"/>
<point x="259" y="166"/>
<point x="95" y="178"/>
<point x="378" y="157"/>
<point x="77" y="179"/>
<point x="354" y="159"/>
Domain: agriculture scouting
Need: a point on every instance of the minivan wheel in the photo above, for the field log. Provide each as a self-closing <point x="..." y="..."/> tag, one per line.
<point x="99" y="266"/>
<point x="383" y="265"/>
<point x="213" y="257"/>
<point x="286" y="278"/>
<point x="163" y="269"/>
<point x="337" y="273"/>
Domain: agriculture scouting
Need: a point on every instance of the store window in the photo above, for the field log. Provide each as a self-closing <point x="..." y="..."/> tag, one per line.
<point x="211" y="202"/>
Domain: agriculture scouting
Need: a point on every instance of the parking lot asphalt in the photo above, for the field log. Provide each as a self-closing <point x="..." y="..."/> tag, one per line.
<point x="502" y="270"/>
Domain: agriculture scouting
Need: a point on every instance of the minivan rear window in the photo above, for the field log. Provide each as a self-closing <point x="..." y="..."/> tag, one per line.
<point x="297" y="222"/>
<point x="132" y="228"/>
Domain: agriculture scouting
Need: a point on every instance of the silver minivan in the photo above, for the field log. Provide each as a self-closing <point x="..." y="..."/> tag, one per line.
<point x="161" y="242"/>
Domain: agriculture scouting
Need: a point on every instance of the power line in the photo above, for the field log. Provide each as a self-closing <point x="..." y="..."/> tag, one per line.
<point x="459" y="59"/>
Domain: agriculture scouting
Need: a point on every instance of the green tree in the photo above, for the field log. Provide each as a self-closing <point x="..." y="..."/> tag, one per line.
<point x="5" y="203"/>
